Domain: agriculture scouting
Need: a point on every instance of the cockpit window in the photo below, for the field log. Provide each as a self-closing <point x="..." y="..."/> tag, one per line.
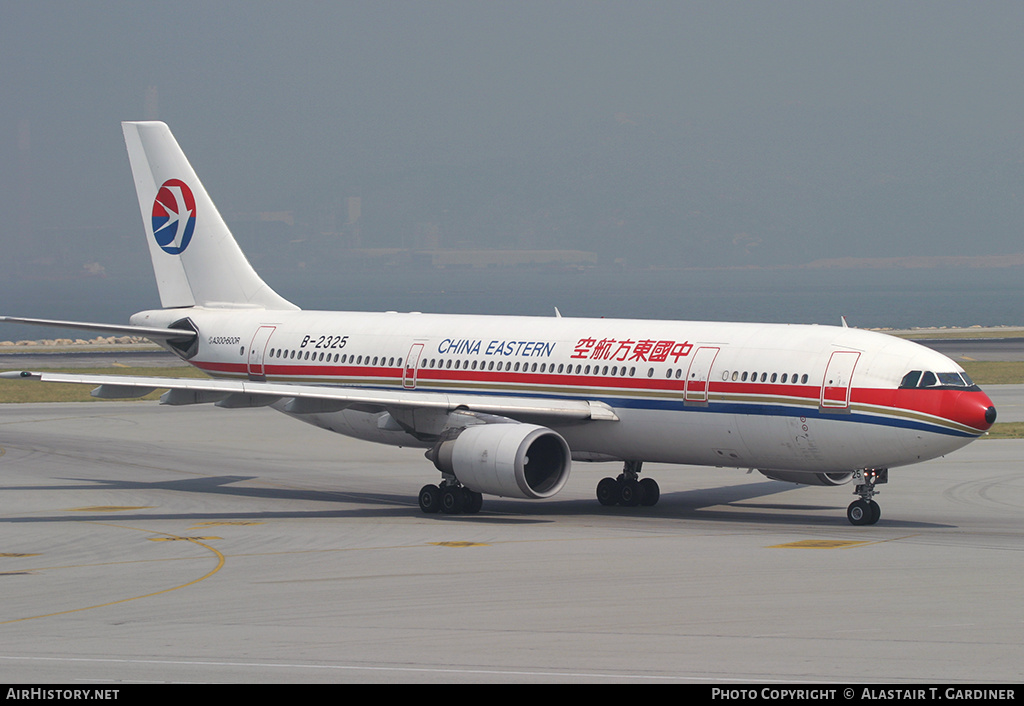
<point x="910" y="380"/>
<point x="917" y="379"/>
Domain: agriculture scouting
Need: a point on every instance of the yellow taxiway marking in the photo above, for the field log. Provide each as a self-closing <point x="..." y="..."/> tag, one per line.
<point x="16" y="555"/>
<point x="819" y="544"/>
<point x="220" y="564"/>
<point x="836" y="543"/>
<point x="459" y="545"/>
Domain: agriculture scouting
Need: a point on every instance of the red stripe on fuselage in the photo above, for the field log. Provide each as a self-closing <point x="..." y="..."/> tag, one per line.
<point x="966" y="407"/>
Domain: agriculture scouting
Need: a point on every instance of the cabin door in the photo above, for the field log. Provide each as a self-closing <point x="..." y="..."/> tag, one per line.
<point x="697" y="377"/>
<point x="412" y="366"/>
<point x="835" y="387"/>
<point x="258" y="350"/>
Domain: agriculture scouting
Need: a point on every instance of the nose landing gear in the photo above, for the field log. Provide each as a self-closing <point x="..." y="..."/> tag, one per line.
<point x="865" y="511"/>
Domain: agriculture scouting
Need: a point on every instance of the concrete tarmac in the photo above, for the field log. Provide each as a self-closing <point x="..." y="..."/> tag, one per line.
<point x="198" y="544"/>
<point x="1008" y="401"/>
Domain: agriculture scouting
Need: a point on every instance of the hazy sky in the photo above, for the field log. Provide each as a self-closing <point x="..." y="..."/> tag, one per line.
<point x="700" y="132"/>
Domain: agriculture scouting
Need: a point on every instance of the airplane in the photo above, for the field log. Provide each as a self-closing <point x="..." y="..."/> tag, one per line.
<point x="504" y="404"/>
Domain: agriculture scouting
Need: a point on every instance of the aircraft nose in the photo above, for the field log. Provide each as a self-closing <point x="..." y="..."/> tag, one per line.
<point x="975" y="410"/>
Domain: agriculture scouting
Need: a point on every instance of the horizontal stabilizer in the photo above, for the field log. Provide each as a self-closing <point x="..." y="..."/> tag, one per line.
<point x="151" y="332"/>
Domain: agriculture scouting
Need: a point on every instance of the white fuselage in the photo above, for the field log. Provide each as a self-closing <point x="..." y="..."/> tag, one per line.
<point x="767" y="396"/>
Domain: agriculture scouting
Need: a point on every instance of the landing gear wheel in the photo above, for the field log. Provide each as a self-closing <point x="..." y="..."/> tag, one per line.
<point x="876" y="512"/>
<point x="608" y="492"/>
<point x="430" y="499"/>
<point x="452" y="500"/>
<point x="651" y="492"/>
<point x="474" y="501"/>
<point x="632" y="493"/>
<point x="861" y="512"/>
<point x="865" y="511"/>
<point x="628" y="490"/>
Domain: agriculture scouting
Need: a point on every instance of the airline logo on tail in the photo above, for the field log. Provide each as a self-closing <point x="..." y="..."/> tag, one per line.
<point x="174" y="216"/>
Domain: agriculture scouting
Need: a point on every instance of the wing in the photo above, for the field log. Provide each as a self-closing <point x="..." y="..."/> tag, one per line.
<point x="311" y="399"/>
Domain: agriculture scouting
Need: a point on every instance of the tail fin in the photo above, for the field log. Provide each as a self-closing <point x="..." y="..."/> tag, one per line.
<point x="195" y="258"/>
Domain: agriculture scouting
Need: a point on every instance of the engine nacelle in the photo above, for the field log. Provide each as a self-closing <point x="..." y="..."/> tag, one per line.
<point x="511" y="460"/>
<point x="809" y="478"/>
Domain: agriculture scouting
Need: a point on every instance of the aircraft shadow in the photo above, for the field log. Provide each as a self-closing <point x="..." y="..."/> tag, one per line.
<point x="723" y="504"/>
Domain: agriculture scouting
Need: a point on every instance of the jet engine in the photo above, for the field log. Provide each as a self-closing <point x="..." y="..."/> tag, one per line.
<point x="805" y="478"/>
<point x="511" y="460"/>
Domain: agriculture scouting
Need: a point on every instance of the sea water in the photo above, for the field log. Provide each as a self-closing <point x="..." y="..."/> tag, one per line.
<point x="870" y="298"/>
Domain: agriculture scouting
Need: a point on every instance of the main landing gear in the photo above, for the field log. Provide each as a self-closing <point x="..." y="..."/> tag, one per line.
<point x="451" y="498"/>
<point x="865" y="511"/>
<point x="627" y="489"/>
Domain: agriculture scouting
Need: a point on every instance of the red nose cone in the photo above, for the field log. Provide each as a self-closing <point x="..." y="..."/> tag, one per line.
<point x="975" y="410"/>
